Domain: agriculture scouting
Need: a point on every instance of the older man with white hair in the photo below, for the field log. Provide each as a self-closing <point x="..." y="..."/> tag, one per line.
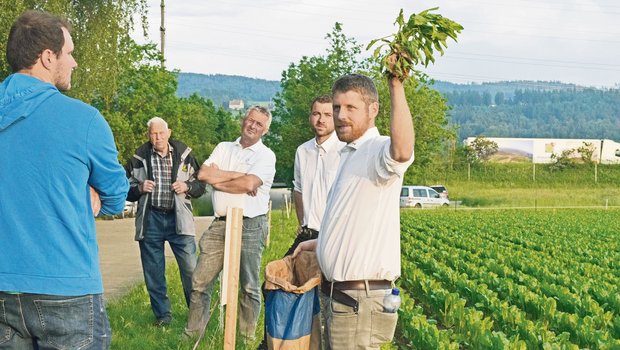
<point x="162" y="174"/>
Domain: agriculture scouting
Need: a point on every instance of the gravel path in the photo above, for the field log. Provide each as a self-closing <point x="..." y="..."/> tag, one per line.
<point x="120" y="255"/>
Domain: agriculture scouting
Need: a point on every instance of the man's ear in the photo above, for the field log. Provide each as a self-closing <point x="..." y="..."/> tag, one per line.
<point x="373" y="109"/>
<point x="47" y="57"/>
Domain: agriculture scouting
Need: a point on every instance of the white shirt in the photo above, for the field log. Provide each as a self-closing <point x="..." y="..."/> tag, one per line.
<point x="360" y="232"/>
<point x="315" y="170"/>
<point x="256" y="160"/>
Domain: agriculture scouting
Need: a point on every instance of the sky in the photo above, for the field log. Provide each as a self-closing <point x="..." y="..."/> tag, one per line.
<point x="570" y="41"/>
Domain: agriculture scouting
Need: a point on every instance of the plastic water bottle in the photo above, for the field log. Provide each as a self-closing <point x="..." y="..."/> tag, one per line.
<point x="391" y="302"/>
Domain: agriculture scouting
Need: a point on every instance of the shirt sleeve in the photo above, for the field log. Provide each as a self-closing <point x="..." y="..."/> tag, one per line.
<point x="386" y="167"/>
<point x="216" y="155"/>
<point x="107" y="176"/>
<point x="297" y="184"/>
<point x="264" y="167"/>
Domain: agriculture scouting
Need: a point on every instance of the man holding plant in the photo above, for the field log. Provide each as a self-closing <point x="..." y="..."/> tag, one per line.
<point x="359" y="245"/>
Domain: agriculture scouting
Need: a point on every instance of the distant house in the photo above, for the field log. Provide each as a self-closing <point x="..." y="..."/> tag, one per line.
<point x="540" y="150"/>
<point x="235" y="105"/>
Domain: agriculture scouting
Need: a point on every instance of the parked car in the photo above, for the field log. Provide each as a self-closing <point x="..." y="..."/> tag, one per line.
<point x="130" y="209"/>
<point x="421" y="197"/>
<point x="441" y="189"/>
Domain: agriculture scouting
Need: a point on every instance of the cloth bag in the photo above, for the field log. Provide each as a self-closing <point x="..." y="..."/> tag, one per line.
<point x="292" y="304"/>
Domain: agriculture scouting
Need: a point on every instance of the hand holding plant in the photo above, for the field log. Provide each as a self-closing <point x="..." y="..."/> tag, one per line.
<point x="415" y="42"/>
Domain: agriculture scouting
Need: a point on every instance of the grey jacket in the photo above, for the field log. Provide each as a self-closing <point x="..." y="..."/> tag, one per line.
<point x="184" y="168"/>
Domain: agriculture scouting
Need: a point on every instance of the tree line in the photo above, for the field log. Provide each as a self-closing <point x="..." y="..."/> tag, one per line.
<point x="126" y="82"/>
<point x="567" y="113"/>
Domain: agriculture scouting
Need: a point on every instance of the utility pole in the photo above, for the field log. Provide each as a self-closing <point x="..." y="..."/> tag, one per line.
<point x="162" y="31"/>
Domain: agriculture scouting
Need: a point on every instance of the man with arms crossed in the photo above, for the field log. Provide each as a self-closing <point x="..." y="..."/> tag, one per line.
<point x="359" y="245"/>
<point x="162" y="174"/>
<point x="54" y="147"/>
<point x="241" y="173"/>
<point x="316" y="163"/>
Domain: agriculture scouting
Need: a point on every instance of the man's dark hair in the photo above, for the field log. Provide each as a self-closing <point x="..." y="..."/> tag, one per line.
<point x="321" y="99"/>
<point x="358" y="83"/>
<point x="31" y="34"/>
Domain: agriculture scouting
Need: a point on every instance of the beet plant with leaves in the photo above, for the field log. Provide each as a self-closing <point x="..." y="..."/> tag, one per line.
<point x="415" y="42"/>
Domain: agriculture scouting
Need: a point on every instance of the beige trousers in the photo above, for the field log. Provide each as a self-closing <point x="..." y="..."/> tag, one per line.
<point x="369" y="328"/>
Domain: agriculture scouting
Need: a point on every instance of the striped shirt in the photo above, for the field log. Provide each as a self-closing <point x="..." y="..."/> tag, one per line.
<point x="162" y="196"/>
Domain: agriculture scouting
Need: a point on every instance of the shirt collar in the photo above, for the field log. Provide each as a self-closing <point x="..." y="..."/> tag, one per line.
<point x="170" y="148"/>
<point x="254" y="147"/>
<point x="328" y="144"/>
<point x="370" y="133"/>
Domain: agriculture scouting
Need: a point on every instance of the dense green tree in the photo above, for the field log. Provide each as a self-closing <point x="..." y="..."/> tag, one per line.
<point x="313" y="76"/>
<point x="147" y="90"/>
<point x="301" y="83"/>
<point x="101" y="36"/>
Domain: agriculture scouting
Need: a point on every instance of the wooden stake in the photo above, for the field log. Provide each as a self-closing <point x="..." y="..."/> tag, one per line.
<point x="268" y="224"/>
<point x="234" y="226"/>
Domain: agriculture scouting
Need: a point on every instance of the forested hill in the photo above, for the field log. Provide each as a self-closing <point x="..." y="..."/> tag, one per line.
<point x="223" y="88"/>
<point x="533" y="109"/>
<point x="502" y="109"/>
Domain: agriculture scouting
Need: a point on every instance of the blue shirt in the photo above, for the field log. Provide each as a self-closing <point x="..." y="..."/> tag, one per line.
<point x="53" y="148"/>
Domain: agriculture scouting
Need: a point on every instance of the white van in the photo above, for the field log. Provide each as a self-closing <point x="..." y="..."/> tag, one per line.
<point x="421" y="197"/>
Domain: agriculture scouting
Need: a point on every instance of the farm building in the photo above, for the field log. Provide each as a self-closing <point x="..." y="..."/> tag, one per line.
<point x="236" y="105"/>
<point x="540" y="150"/>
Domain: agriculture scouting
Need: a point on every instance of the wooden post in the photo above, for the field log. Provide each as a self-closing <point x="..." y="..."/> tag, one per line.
<point x="533" y="171"/>
<point x="234" y="226"/>
<point x="268" y="224"/>
<point x="595" y="173"/>
<point x="162" y="32"/>
<point x="468" y="171"/>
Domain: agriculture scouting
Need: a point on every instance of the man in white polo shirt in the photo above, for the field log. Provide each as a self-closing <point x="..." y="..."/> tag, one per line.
<point x="359" y="245"/>
<point x="316" y="163"/>
<point x="241" y="174"/>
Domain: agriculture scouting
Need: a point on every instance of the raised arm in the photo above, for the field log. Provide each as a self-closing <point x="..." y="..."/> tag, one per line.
<point x="402" y="134"/>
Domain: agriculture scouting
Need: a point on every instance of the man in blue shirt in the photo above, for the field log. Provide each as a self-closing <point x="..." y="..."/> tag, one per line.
<point x="55" y="149"/>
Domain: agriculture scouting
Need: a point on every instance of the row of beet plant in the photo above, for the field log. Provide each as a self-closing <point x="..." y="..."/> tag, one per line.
<point x="511" y="279"/>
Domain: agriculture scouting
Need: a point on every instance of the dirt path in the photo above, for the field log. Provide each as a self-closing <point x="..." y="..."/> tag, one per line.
<point x="120" y="255"/>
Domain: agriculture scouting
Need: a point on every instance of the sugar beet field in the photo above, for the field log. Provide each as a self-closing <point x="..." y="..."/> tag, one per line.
<point x="510" y="279"/>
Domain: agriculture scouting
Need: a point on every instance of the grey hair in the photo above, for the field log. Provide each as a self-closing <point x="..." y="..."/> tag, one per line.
<point x="261" y="110"/>
<point x="156" y="120"/>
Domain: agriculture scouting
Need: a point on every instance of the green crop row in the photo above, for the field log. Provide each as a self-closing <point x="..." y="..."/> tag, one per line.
<point x="511" y="279"/>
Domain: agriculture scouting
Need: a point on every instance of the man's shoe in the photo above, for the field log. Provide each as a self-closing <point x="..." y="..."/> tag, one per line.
<point x="162" y="322"/>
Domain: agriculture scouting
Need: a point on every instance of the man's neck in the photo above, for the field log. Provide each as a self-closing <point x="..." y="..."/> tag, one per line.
<point x="37" y="72"/>
<point x="246" y="143"/>
<point x="163" y="152"/>
<point x="321" y="139"/>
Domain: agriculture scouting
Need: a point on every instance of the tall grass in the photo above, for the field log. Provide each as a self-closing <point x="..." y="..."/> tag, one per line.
<point x="528" y="185"/>
<point x="132" y="320"/>
<point x="522" y="175"/>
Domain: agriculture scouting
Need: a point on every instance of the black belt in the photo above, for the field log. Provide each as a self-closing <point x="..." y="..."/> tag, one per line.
<point x="308" y="233"/>
<point x="223" y="218"/>
<point x="335" y="289"/>
<point x="162" y="210"/>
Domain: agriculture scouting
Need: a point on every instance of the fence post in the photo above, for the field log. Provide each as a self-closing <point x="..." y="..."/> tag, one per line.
<point x="230" y="275"/>
<point x="533" y="171"/>
<point x="468" y="171"/>
<point x="268" y="225"/>
<point x="595" y="173"/>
